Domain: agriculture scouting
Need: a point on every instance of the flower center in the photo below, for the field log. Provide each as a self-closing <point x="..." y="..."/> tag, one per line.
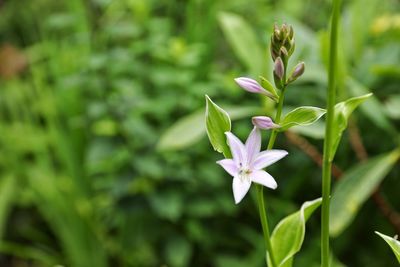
<point x="244" y="174"/>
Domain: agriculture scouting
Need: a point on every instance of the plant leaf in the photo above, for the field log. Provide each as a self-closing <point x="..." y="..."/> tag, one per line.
<point x="392" y="105"/>
<point x="288" y="235"/>
<point x="183" y="133"/>
<point x="190" y="129"/>
<point x="217" y="123"/>
<point x="341" y="116"/>
<point x="301" y="116"/>
<point x="243" y="41"/>
<point x="269" y="87"/>
<point x="355" y="187"/>
<point x="373" y="110"/>
<point x="393" y="243"/>
<point x="8" y="186"/>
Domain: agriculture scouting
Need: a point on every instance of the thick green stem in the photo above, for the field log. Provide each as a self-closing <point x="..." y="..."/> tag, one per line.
<point x="260" y="188"/>
<point x="327" y="158"/>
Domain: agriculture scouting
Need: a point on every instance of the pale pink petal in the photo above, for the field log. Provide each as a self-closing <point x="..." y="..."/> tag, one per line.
<point x="268" y="157"/>
<point x="240" y="188"/>
<point x="264" y="122"/>
<point x="253" y="145"/>
<point x="237" y="148"/>
<point x="229" y="166"/>
<point x="263" y="178"/>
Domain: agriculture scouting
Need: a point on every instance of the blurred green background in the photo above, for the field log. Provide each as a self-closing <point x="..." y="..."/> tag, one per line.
<point x="91" y="173"/>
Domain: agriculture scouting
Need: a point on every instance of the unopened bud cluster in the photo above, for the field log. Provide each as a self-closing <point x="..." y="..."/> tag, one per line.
<point x="282" y="47"/>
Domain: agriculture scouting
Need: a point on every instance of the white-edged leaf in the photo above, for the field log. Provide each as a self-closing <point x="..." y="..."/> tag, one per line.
<point x="288" y="235"/>
<point x="301" y="116"/>
<point x="393" y="243"/>
<point x="341" y="116"/>
<point x="217" y="123"/>
<point x="355" y="187"/>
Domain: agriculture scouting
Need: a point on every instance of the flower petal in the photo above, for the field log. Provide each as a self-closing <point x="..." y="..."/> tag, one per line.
<point x="263" y="178"/>
<point x="252" y="86"/>
<point x="264" y="122"/>
<point x="237" y="149"/>
<point x="240" y="188"/>
<point x="253" y="145"/>
<point x="229" y="166"/>
<point x="267" y="158"/>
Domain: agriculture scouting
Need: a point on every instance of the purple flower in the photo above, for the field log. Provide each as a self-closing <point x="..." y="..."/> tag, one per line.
<point x="264" y="122"/>
<point x="252" y="86"/>
<point x="248" y="163"/>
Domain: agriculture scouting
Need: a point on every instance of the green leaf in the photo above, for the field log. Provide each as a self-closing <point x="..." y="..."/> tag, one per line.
<point x="243" y="41"/>
<point x="392" y="106"/>
<point x="269" y="87"/>
<point x="341" y="116"/>
<point x="355" y="187"/>
<point x="393" y="243"/>
<point x="373" y="109"/>
<point x="301" y="116"/>
<point x="191" y="128"/>
<point x="217" y="123"/>
<point x="288" y="235"/>
<point x="185" y="132"/>
<point x="8" y="186"/>
<point x="178" y="251"/>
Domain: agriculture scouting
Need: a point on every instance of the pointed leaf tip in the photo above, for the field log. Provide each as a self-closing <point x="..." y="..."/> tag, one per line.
<point x="393" y="243"/>
<point x="217" y="123"/>
<point x="288" y="236"/>
<point x="342" y="113"/>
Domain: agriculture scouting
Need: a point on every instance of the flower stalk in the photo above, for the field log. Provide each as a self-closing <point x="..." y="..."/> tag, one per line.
<point x="260" y="189"/>
<point x="327" y="159"/>
<point x="282" y="47"/>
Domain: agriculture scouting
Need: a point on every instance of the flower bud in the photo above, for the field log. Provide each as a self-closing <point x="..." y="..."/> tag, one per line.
<point x="291" y="32"/>
<point x="297" y="72"/>
<point x="264" y="122"/>
<point x="252" y="86"/>
<point x="279" y="68"/>
<point x="292" y="46"/>
<point x="283" y="53"/>
<point x="282" y="42"/>
<point x="274" y="54"/>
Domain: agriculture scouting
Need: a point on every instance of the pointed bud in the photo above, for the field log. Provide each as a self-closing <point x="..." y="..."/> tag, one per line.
<point x="297" y="72"/>
<point x="291" y="32"/>
<point x="263" y="122"/>
<point x="277" y="33"/>
<point x="292" y="47"/>
<point x="279" y="68"/>
<point x="252" y="86"/>
<point x="284" y="29"/>
<point x="274" y="55"/>
<point x="283" y="52"/>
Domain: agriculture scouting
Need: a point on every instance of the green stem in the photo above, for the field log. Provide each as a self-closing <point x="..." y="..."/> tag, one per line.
<point x="260" y="188"/>
<point x="264" y="223"/>
<point x="327" y="158"/>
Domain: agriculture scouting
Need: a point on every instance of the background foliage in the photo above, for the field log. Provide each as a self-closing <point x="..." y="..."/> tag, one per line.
<point x="90" y="89"/>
